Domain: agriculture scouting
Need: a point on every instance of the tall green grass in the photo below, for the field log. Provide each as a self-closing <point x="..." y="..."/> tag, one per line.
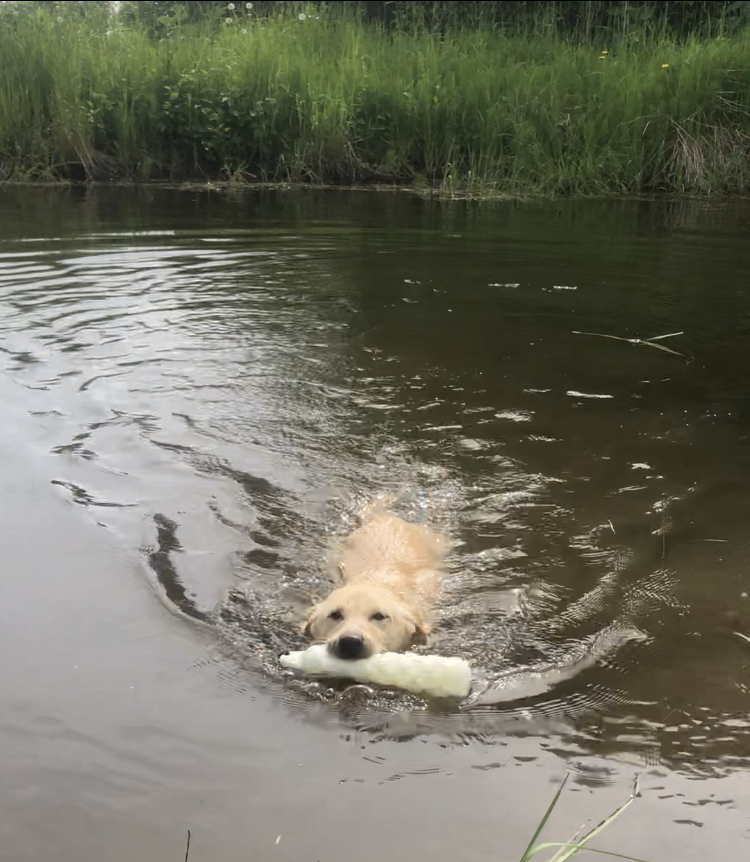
<point x="330" y="99"/>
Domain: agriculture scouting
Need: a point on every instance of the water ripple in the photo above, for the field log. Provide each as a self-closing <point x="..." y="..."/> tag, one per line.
<point x="226" y="402"/>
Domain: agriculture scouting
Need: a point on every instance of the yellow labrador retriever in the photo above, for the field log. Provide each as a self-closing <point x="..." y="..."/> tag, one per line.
<point x="389" y="573"/>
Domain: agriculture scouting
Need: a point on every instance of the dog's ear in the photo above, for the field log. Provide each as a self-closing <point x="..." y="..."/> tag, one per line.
<point x="306" y="626"/>
<point x="421" y="633"/>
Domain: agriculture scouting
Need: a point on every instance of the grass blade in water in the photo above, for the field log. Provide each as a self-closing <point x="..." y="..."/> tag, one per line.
<point x="661" y="347"/>
<point x="598" y="829"/>
<point x="547" y="845"/>
<point x="568" y="849"/>
<point x="530" y="849"/>
<point x="668" y="335"/>
<point x="648" y="342"/>
<point x="603" y="335"/>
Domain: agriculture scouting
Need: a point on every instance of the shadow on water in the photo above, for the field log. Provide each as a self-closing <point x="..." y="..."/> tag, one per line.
<point x="226" y="378"/>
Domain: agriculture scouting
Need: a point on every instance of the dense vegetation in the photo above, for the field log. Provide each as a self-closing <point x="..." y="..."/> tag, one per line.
<point x="467" y="97"/>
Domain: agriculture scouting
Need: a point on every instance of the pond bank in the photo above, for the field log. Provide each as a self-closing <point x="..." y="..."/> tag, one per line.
<point x="474" y="112"/>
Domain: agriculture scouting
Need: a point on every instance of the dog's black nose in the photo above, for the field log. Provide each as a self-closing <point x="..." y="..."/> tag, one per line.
<point x="350" y="647"/>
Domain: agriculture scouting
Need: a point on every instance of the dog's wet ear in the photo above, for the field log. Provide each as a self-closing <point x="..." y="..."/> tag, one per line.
<point x="421" y="633"/>
<point x="306" y="626"/>
<point x="335" y="573"/>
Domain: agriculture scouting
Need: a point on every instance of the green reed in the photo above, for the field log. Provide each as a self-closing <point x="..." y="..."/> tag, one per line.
<point x="330" y="99"/>
<point x="565" y="850"/>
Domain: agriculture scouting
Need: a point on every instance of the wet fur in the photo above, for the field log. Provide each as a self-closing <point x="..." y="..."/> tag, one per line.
<point x="389" y="574"/>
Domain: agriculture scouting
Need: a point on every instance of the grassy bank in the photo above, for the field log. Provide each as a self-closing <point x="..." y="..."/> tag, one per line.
<point x="328" y="99"/>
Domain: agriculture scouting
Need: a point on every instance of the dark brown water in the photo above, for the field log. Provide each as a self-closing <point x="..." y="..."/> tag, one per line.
<point x="196" y="394"/>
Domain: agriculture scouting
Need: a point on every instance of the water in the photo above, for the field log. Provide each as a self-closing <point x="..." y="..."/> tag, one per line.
<point x="198" y="391"/>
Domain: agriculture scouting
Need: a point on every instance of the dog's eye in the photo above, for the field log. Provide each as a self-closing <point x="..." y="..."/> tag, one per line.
<point x="378" y="617"/>
<point x="335" y="615"/>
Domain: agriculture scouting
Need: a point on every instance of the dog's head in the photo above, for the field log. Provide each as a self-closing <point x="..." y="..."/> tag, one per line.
<point x="361" y="619"/>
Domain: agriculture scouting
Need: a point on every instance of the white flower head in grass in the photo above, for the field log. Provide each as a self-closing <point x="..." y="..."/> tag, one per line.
<point x="302" y="16"/>
<point x="230" y="6"/>
<point x="249" y="7"/>
<point x="60" y="19"/>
